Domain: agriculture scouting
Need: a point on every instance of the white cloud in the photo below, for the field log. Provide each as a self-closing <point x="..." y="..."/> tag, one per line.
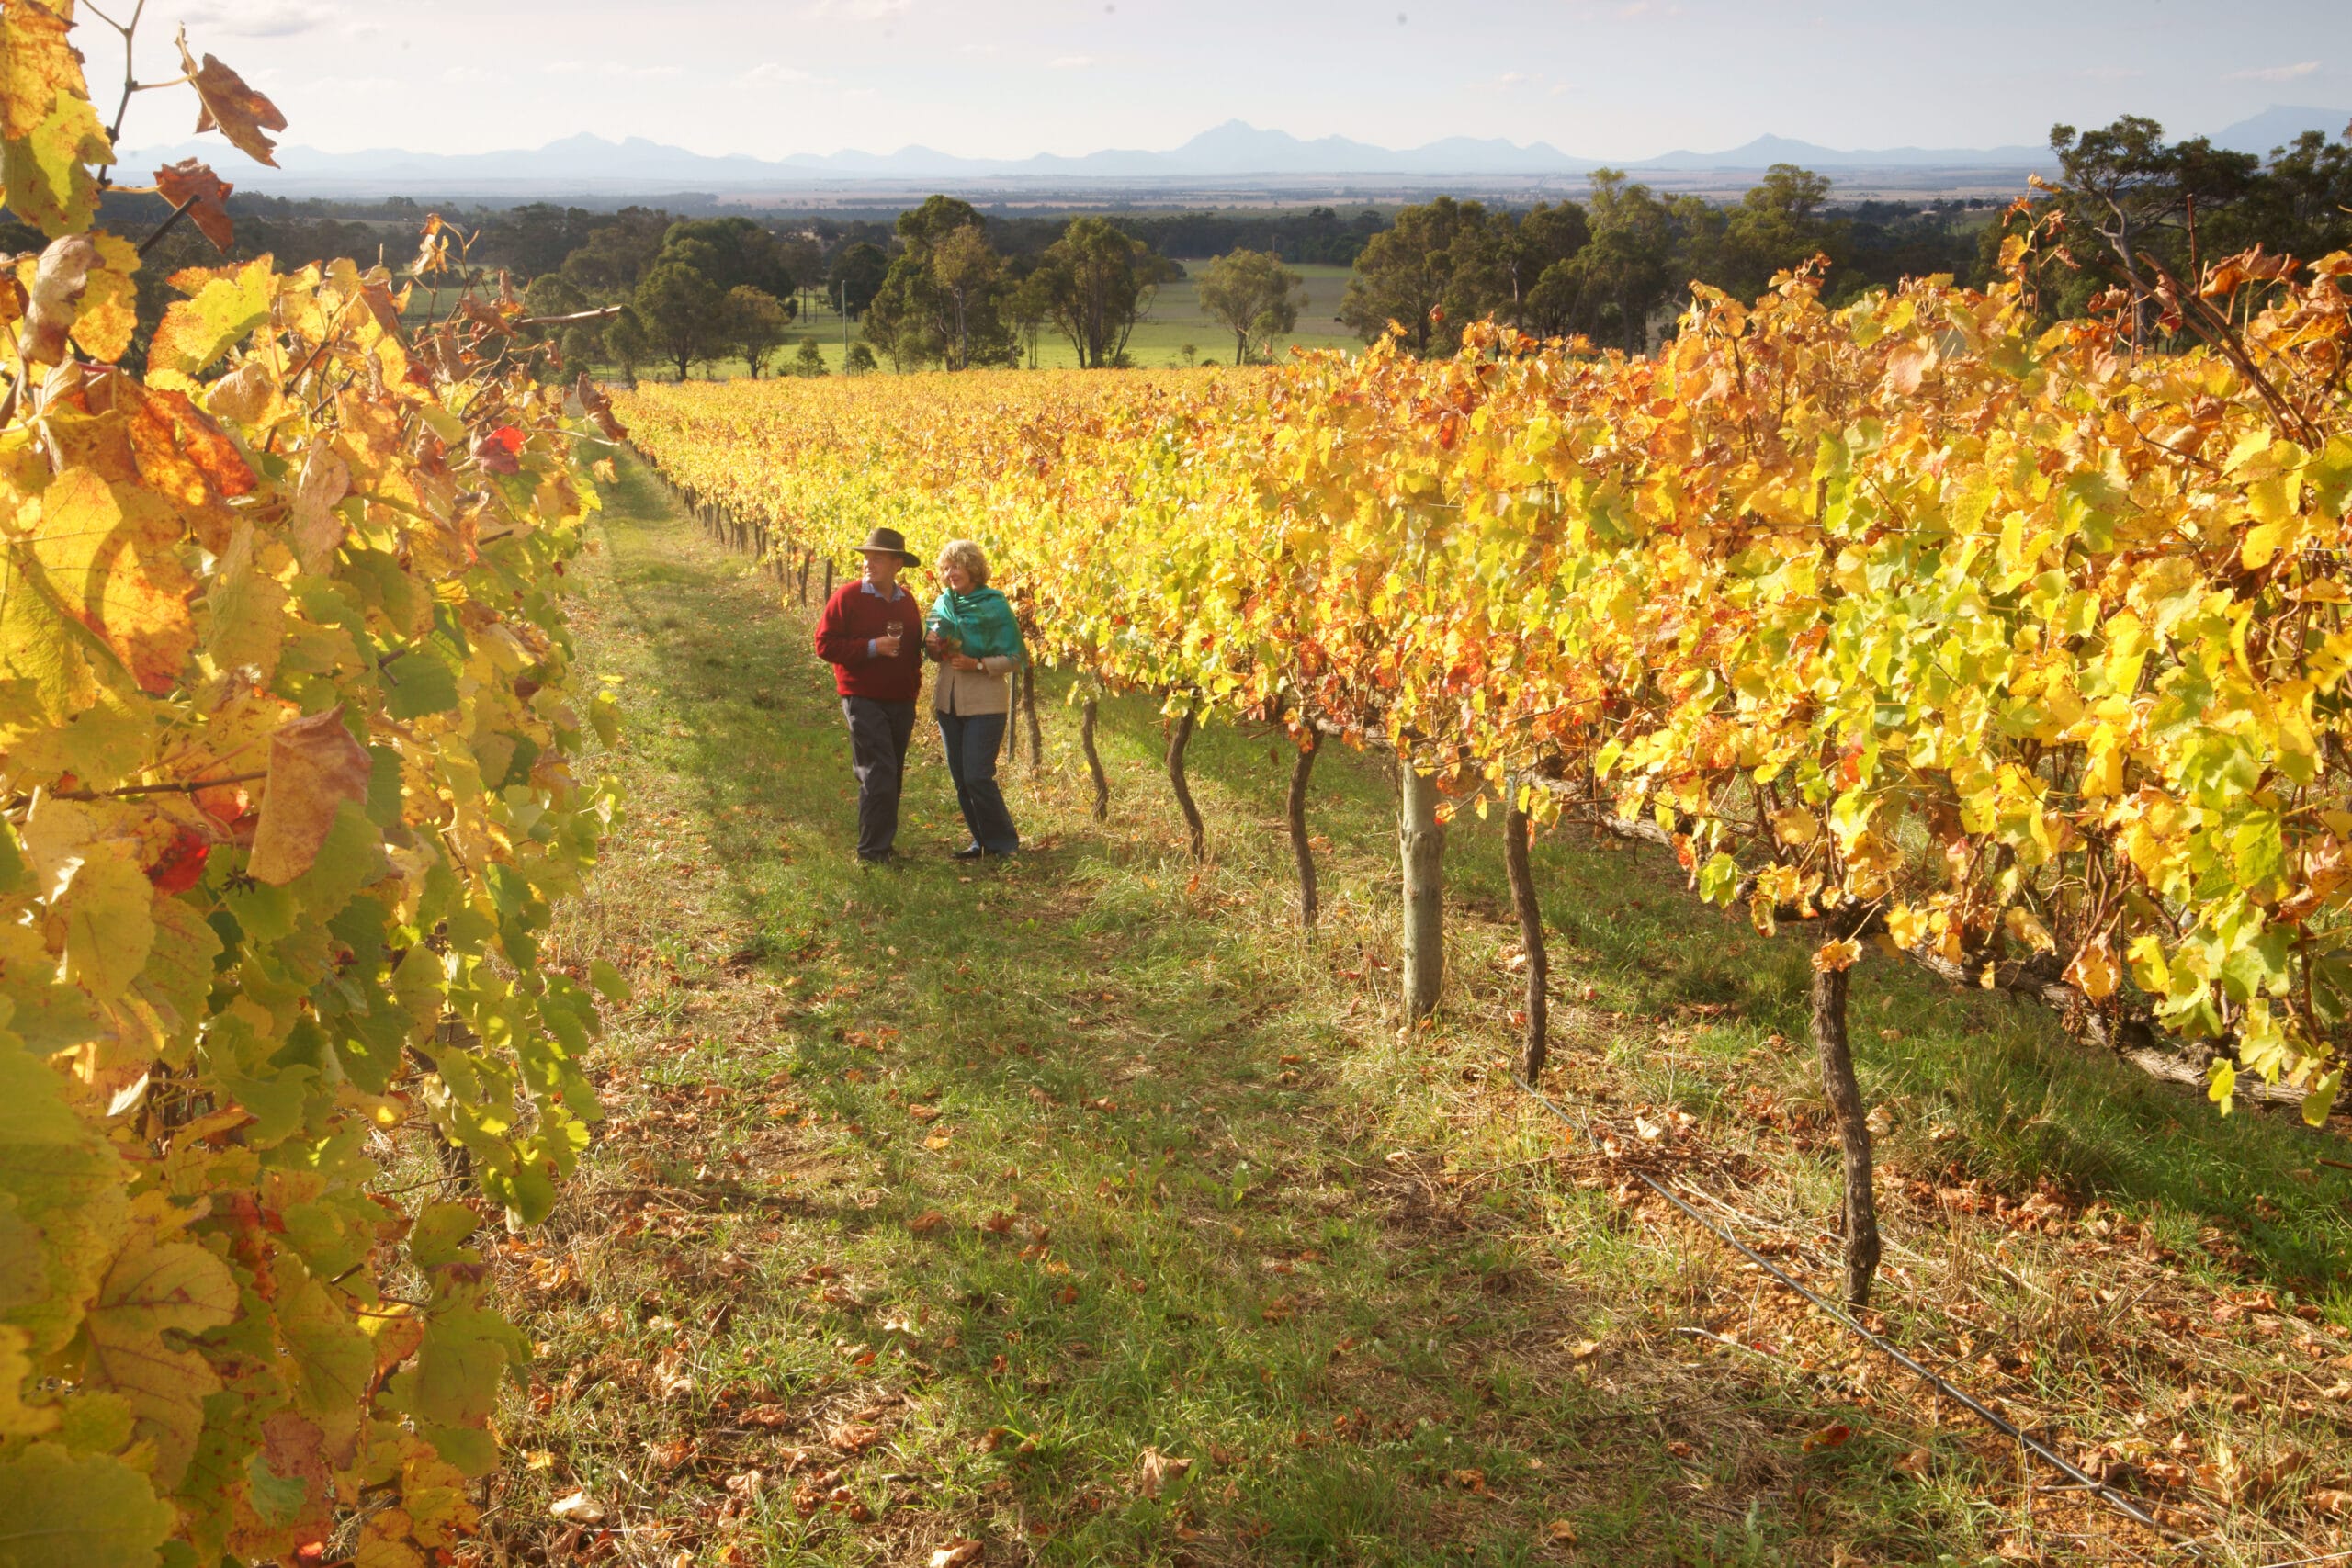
<point x="2294" y="73"/>
<point x="463" y="75"/>
<point x="253" y="18"/>
<point x="769" y="74"/>
<point x="1072" y="62"/>
<point x="1511" y="78"/>
<point x="853" y="10"/>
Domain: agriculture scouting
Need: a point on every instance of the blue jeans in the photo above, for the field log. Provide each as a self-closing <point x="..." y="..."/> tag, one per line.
<point x="972" y="743"/>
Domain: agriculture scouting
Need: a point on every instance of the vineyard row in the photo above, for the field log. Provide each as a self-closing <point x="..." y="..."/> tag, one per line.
<point x="1910" y="621"/>
<point x="290" y="740"/>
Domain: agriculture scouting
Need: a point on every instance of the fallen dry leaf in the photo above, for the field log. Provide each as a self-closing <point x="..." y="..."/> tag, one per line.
<point x="957" y="1554"/>
<point x="578" y="1508"/>
<point x="927" y="1221"/>
<point x="853" y="1439"/>
<point x="1155" y="1470"/>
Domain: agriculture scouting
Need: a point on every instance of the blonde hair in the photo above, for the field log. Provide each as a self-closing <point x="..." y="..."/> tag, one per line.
<point x="968" y="555"/>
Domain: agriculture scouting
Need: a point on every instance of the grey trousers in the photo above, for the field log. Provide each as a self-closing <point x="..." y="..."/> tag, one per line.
<point x="879" y="736"/>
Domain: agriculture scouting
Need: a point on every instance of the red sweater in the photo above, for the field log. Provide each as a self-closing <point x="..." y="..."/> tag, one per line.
<point x="853" y="618"/>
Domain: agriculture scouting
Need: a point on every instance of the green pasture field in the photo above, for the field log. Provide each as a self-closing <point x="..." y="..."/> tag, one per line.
<point x="1174" y="321"/>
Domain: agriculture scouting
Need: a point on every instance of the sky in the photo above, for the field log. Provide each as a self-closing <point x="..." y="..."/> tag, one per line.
<point x="1608" y="79"/>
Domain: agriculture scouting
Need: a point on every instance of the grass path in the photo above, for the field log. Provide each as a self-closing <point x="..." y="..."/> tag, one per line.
<point x="1078" y="1207"/>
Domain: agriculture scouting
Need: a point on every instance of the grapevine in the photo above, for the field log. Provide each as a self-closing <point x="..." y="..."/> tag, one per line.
<point x="289" y="730"/>
<point x="2007" y="648"/>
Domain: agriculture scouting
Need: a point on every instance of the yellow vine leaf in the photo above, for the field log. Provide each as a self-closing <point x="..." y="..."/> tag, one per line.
<point x="226" y="304"/>
<point x="49" y="131"/>
<point x="2094" y="971"/>
<point x="68" y="1510"/>
<point x="111" y="557"/>
<point x="19" y="1265"/>
<point x="155" y="1289"/>
<point x="109" y="920"/>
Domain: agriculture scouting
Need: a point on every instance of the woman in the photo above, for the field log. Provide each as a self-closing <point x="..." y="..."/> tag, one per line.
<point x="977" y="645"/>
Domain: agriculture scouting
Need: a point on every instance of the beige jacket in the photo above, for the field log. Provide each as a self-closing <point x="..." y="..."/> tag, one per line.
<point x="967" y="694"/>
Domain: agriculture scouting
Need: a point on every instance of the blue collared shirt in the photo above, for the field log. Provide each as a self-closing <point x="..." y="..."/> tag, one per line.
<point x="865" y="585"/>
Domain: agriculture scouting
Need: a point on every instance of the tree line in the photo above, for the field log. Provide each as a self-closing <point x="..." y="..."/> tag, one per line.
<point x="943" y="292"/>
<point x="950" y="286"/>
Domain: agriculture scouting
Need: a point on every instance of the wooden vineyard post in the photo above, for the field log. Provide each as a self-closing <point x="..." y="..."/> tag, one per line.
<point x="1420" y="841"/>
<point x="829" y="581"/>
<point x="1029" y="708"/>
<point x="808" y="560"/>
<point x="1178" y="738"/>
<point x="1094" y="762"/>
<point x="1536" y="1046"/>
<point x="1830" y="976"/>
<point x="1304" y="853"/>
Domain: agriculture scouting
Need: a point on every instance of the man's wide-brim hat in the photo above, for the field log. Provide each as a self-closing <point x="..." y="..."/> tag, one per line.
<point x="889" y="542"/>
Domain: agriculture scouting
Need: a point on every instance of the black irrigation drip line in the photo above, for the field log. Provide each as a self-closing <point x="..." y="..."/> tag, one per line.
<point x="2109" y="1494"/>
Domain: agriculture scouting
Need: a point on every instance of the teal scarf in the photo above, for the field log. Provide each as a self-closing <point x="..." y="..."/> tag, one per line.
<point x="982" y="624"/>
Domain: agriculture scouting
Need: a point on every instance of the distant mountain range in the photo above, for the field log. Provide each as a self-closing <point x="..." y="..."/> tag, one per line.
<point x="2275" y="128"/>
<point x="1235" y="150"/>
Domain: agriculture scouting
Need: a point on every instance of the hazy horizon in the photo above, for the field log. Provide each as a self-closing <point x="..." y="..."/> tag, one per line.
<point x="999" y="79"/>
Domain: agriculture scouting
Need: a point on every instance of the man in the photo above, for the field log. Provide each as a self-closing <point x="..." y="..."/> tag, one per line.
<point x="871" y="633"/>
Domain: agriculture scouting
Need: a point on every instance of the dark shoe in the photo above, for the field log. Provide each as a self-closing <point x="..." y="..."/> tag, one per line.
<point x="971" y="852"/>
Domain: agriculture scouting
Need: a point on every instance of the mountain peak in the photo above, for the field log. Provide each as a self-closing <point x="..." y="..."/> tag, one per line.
<point x="591" y="164"/>
<point x="2279" y="125"/>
